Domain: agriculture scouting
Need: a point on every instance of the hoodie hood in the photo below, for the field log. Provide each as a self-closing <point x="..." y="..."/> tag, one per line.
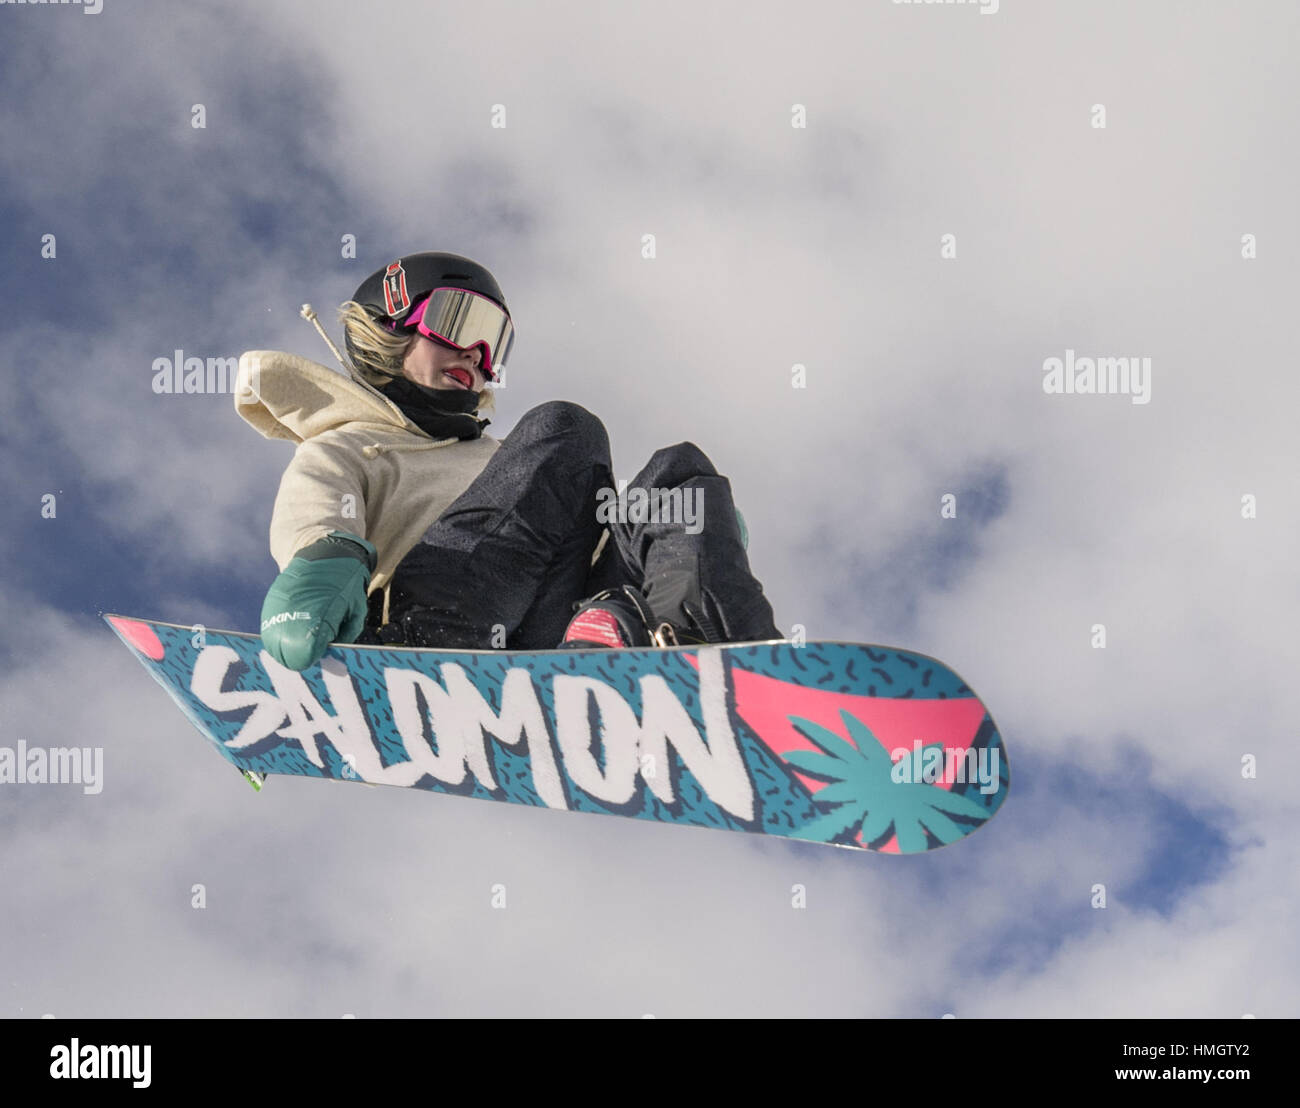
<point x="286" y="396"/>
<point x="359" y="465"/>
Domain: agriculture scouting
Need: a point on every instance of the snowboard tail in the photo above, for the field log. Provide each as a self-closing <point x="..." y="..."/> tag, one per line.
<point x="850" y="745"/>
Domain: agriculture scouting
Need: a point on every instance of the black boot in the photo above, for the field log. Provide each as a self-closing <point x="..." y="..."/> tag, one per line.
<point x="692" y="565"/>
<point x="616" y="618"/>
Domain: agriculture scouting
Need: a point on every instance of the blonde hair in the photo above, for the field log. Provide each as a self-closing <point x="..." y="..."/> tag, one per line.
<point x="377" y="354"/>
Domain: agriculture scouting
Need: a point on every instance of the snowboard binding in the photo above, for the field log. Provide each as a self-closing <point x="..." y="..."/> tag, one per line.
<point x="620" y="618"/>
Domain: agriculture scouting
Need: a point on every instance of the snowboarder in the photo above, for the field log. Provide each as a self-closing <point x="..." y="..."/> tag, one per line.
<point x="398" y="521"/>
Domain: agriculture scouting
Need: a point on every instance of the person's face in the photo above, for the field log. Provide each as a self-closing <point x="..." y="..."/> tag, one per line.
<point x="437" y="366"/>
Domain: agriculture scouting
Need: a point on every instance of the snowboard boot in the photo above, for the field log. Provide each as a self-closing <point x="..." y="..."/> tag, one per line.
<point x="616" y="618"/>
<point x="686" y="613"/>
<point x="620" y="618"/>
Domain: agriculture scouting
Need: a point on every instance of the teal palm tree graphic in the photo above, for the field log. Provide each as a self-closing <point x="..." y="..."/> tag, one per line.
<point x="863" y="790"/>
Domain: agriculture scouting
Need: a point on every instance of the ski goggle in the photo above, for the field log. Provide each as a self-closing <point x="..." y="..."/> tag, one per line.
<point x="463" y="319"/>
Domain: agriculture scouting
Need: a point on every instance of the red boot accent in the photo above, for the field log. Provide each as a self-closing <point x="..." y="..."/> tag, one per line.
<point x="595" y="626"/>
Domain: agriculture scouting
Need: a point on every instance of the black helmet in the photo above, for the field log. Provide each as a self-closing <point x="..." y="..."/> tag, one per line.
<point x="389" y="295"/>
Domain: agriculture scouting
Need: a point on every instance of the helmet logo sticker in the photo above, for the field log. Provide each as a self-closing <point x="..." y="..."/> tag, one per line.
<point x="396" y="299"/>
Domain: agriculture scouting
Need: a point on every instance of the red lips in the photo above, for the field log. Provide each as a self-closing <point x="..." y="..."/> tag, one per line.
<point x="461" y="375"/>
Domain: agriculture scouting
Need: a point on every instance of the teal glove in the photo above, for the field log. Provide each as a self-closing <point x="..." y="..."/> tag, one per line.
<point x="744" y="531"/>
<point x="320" y="598"/>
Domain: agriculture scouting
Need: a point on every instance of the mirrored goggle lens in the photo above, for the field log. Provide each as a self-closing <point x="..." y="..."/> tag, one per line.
<point x="464" y="319"/>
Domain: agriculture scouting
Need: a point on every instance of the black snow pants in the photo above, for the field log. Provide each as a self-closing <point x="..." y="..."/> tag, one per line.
<point x="505" y="564"/>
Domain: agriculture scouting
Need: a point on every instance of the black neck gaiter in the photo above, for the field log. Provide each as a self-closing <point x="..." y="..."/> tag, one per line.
<point x="442" y="413"/>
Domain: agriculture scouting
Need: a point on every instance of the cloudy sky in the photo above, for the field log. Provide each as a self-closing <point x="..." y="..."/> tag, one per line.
<point x="1169" y="233"/>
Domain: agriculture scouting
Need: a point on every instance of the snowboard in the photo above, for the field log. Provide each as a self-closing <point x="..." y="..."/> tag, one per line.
<point x="864" y="747"/>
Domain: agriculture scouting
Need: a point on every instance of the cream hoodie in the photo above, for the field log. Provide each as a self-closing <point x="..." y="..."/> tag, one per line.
<point x="360" y="465"/>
